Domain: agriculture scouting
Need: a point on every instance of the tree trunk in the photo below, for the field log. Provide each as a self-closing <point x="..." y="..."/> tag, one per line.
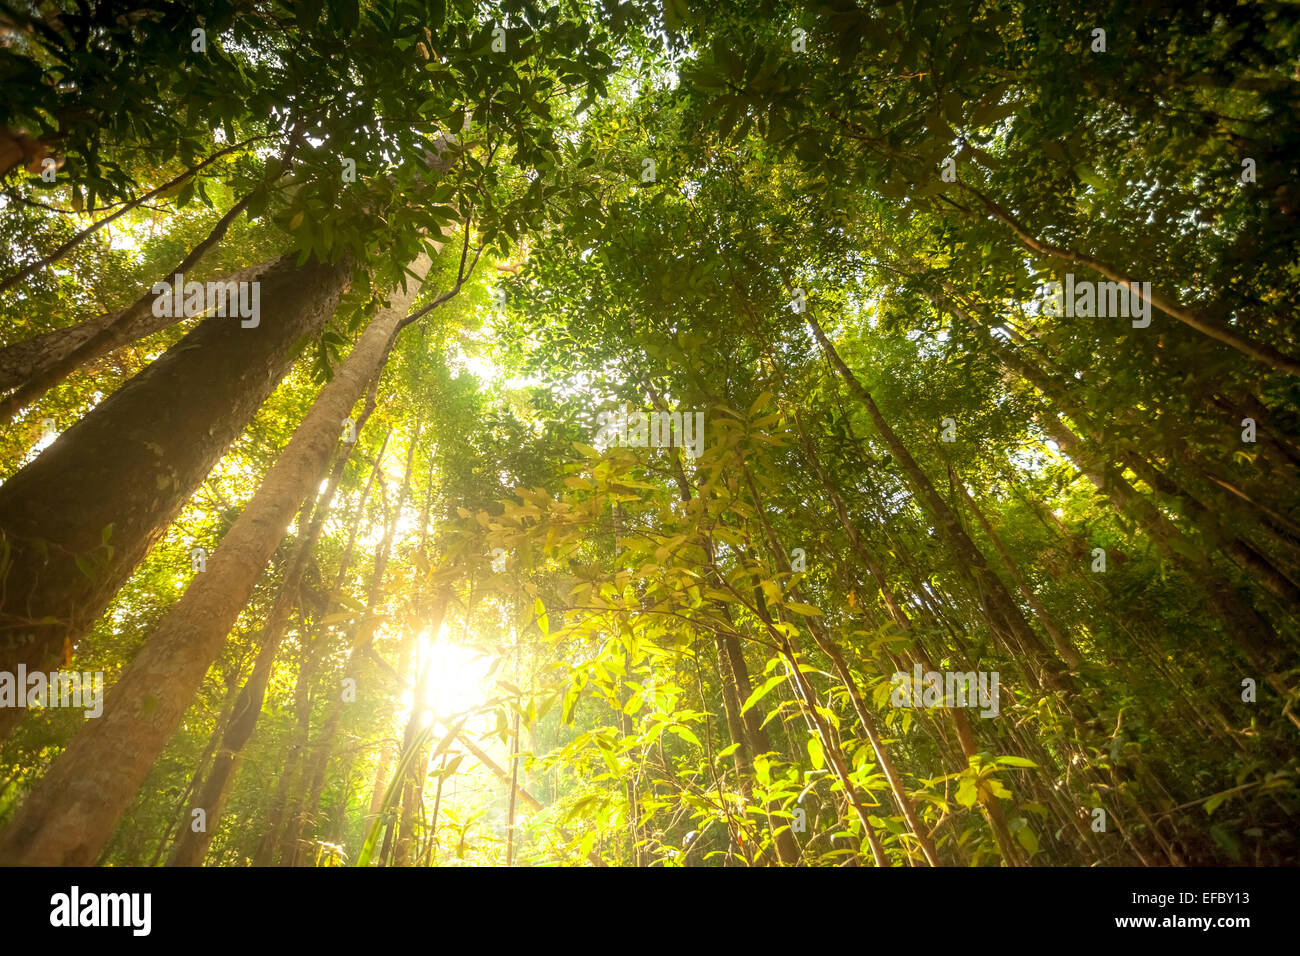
<point x="1065" y="648"/>
<point x="120" y="475"/>
<point x="1242" y="552"/>
<point x="180" y="816"/>
<point x="1241" y="622"/>
<point x="1207" y="325"/>
<point x="71" y="813"/>
<point x="413" y="785"/>
<point x="828" y="646"/>
<point x="499" y="772"/>
<point x="314" y="772"/>
<point x="961" y="723"/>
<point x="33" y="360"/>
<point x="191" y="847"/>
<point x="282" y="809"/>
<point x="1002" y="612"/>
<point x="746" y="729"/>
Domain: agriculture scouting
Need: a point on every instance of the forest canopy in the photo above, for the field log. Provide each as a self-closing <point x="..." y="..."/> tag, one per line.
<point x="639" y="433"/>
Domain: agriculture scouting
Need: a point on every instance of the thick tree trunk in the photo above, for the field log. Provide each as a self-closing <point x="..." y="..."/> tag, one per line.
<point x="105" y="491"/>
<point x="34" y="359"/>
<point x="71" y="813"/>
<point x="137" y="320"/>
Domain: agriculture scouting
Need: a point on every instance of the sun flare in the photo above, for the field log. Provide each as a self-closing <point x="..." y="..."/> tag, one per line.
<point x="452" y="677"/>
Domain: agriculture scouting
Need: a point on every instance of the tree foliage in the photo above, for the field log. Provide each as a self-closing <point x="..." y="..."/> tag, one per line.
<point x="726" y="390"/>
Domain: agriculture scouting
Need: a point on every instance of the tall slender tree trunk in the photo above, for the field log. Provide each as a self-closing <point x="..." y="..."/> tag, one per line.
<point x="745" y="727"/>
<point x="807" y="697"/>
<point x="1065" y="648"/>
<point x="524" y="796"/>
<point x="413" y="783"/>
<point x="1242" y="552"/>
<point x="314" y="771"/>
<point x="432" y="839"/>
<point x="828" y="646"/>
<point x="181" y="814"/>
<point x="1242" y="624"/>
<point x="514" y="791"/>
<point x="282" y="809"/>
<point x="1207" y="325"/>
<point x="1003" y="613"/>
<point x="192" y="845"/>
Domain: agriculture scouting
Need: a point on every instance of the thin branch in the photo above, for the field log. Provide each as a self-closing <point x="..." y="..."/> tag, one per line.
<point x="94" y="227"/>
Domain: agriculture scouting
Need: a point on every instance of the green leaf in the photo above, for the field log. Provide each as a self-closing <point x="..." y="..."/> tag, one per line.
<point x="805" y="609"/>
<point x="1028" y="839"/>
<point x="1015" y="762"/>
<point x="570" y="702"/>
<point x="815" y="753"/>
<point x="346" y="13"/>
<point x="675" y="14"/>
<point x="988" y="114"/>
<point x="761" y="691"/>
<point x="338" y="597"/>
<point x="543" y="623"/>
<point x="1215" y="801"/>
<point x="1091" y="177"/>
<point x="1225" y="839"/>
<point x="307" y="12"/>
<point x="686" y="734"/>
